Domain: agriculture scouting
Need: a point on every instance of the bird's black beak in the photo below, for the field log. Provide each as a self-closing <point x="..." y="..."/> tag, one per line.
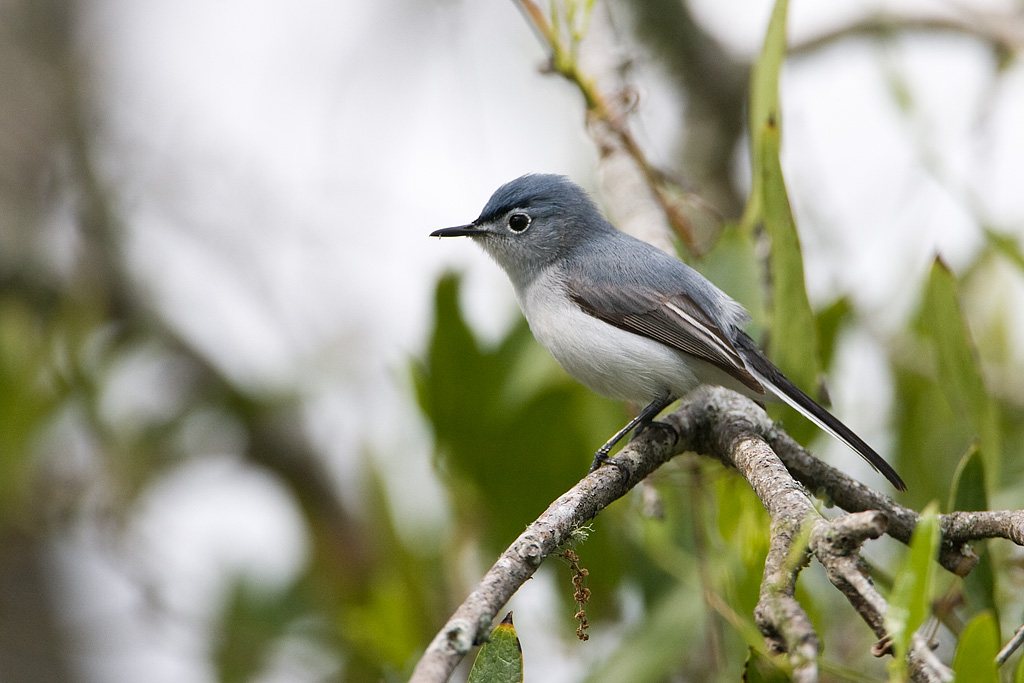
<point x="459" y="231"/>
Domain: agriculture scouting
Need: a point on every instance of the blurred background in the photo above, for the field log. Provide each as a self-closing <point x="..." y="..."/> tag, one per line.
<point x="256" y="426"/>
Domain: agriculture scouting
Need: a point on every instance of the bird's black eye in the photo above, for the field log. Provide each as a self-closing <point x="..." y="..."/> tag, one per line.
<point x="518" y="222"/>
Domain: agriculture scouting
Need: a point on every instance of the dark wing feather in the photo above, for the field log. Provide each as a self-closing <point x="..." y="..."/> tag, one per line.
<point x="674" y="320"/>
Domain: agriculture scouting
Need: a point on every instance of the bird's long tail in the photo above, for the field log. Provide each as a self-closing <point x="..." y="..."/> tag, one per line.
<point x="779" y="384"/>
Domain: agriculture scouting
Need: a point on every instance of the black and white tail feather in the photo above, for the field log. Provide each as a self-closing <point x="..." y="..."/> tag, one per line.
<point x="772" y="378"/>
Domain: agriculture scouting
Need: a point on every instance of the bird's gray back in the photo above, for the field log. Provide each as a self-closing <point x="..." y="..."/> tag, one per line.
<point x="627" y="274"/>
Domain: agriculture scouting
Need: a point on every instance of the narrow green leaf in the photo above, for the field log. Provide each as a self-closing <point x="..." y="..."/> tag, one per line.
<point x="829" y="322"/>
<point x="968" y="493"/>
<point x="1006" y="245"/>
<point x="733" y="264"/>
<point x="794" y="344"/>
<point x="958" y="369"/>
<point x="956" y="363"/>
<point x="794" y="339"/>
<point x="931" y="439"/>
<point x="913" y="589"/>
<point x="513" y="431"/>
<point x="500" y="660"/>
<point x="759" y="668"/>
<point x="976" y="652"/>
<point x="764" y="84"/>
<point x="764" y="104"/>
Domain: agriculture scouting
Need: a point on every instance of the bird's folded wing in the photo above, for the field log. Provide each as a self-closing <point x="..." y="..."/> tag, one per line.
<point x="674" y="320"/>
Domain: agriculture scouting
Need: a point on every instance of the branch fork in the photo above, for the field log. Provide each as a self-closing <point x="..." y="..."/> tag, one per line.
<point x="724" y="425"/>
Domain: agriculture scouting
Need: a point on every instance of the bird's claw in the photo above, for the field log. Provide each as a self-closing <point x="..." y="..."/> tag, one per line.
<point x="602" y="458"/>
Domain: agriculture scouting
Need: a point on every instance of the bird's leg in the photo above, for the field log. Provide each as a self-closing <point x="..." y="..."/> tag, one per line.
<point x="642" y="419"/>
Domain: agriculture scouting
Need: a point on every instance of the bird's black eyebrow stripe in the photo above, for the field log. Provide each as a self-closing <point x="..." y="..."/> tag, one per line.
<point x="500" y="211"/>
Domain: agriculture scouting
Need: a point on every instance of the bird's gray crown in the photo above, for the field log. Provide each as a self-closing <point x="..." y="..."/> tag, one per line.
<point x="533" y="222"/>
<point x="546" y="193"/>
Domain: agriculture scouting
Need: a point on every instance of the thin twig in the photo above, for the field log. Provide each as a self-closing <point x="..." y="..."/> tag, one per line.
<point x="1003" y="33"/>
<point x="1010" y="647"/>
<point x="609" y="101"/>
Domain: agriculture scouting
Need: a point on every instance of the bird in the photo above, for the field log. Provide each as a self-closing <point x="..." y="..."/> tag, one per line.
<point x="624" y="318"/>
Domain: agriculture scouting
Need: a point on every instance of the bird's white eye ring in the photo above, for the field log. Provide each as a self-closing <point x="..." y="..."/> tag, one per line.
<point x="517" y="222"/>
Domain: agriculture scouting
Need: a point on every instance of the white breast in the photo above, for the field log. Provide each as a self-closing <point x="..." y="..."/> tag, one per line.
<point x="604" y="358"/>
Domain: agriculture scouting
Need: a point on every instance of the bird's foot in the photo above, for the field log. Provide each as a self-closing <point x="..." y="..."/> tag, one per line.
<point x="602" y="458"/>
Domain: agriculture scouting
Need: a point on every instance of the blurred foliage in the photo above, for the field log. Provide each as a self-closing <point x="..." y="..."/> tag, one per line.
<point x="913" y="590"/>
<point x="253" y="623"/>
<point x="512" y="431"/>
<point x="792" y="331"/>
<point x="765" y="120"/>
<point x="968" y="493"/>
<point x="699" y="567"/>
<point x="976" y="652"/>
<point x="499" y="416"/>
<point x="959" y="372"/>
<point x="794" y="338"/>
<point x="762" y="669"/>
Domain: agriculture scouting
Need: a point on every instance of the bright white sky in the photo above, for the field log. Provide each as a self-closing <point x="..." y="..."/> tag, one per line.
<point x="280" y="165"/>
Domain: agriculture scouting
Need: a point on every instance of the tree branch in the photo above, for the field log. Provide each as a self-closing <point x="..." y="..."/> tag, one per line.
<point x="724" y="425"/>
<point x="736" y="431"/>
<point x="471" y="622"/>
<point x="958" y="528"/>
<point x="1002" y="32"/>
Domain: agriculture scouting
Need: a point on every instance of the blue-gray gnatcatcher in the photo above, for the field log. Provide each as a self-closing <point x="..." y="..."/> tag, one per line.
<point x="624" y="318"/>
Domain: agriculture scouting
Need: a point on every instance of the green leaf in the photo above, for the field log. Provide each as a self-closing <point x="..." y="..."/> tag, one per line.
<point x="760" y="668"/>
<point x="31" y="389"/>
<point x="968" y="494"/>
<point x="252" y="621"/>
<point x="733" y="265"/>
<point x="794" y="339"/>
<point x="794" y="345"/>
<point x="931" y="439"/>
<point x="380" y="588"/>
<point x="453" y="355"/>
<point x="829" y="322"/>
<point x="968" y="491"/>
<point x="1007" y="246"/>
<point x="764" y="104"/>
<point x="913" y="589"/>
<point x="512" y="430"/>
<point x="977" y="649"/>
<point x="500" y="660"/>
<point x="958" y="369"/>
